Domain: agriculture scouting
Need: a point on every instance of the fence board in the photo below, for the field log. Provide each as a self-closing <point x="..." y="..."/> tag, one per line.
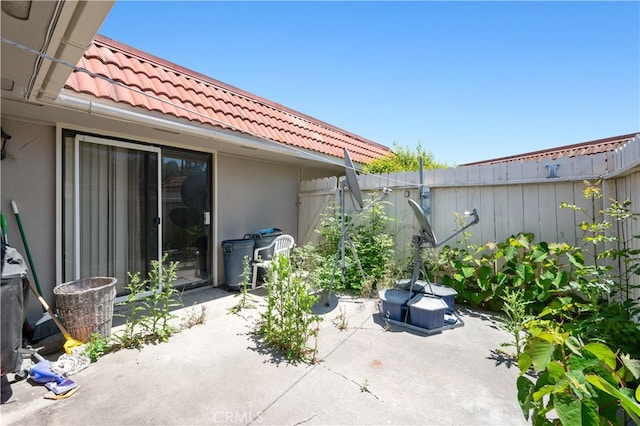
<point x="501" y="213"/>
<point x="500" y="172"/>
<point x="514" y="171"/>
<point x="628" y="188"/>
<point x="548" y="223"/>
<point x="314" y="198"/>
<point x="582" y="166"/>
<point x="515" y="207"/>
<point x="567" y="228"/>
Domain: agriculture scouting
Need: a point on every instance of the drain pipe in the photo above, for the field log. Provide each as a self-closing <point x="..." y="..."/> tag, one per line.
<point x="120" y="114"/>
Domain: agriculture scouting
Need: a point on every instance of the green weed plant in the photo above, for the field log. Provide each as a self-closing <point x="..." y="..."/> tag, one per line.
<point x="96" y="347"/>
<point x="149" y="303"/>
<point x="288" y="323"/>
<point x="515" y="319"/>
<point x="583" y="384"/>
<point x="245" y="298"/>
<point x="373" y="244"/>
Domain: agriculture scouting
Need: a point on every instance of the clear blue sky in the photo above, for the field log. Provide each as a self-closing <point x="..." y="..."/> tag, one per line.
<point x="469" y="81"/>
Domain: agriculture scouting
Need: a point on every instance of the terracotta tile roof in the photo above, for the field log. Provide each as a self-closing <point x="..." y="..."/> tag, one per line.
<point x="173" y="184"/>
<point x="196" y="97"/>
<point x="585" y="148"/>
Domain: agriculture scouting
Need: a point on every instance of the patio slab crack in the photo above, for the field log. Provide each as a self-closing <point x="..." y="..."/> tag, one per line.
<point x="363" y="387"/>
<point x="309" y="419"/>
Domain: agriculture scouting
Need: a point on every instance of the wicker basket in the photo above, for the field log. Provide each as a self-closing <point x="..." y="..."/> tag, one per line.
<point x="86" y="306"/>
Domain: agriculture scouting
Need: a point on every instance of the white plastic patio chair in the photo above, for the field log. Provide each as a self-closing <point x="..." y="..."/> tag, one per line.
<point x="281" y="245"/>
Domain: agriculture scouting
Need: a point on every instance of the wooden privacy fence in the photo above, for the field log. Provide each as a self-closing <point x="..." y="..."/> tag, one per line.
<point x="510" y="197"/>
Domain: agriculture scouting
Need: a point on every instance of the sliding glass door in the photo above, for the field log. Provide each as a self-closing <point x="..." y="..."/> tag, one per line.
<point x="112" y="208"/>
<point x="127" y="204"/>
<point x="186" y="212"/>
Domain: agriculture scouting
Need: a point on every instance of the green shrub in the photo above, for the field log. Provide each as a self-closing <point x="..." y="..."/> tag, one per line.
<point x="288" y="322"/>
<point x="373" y="246"/>
<point x="585" y="384"/>
<point x="96" y="347"/>
<point x="482" y="277"/>
<point x="246" y="301"/>
<point x="469" y="273"/>
<point x="149" y="304"/>
<point x="403" y="159"/>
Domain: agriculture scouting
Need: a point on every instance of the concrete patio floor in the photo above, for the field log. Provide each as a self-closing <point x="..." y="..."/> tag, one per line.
<point x="220" y="373"/>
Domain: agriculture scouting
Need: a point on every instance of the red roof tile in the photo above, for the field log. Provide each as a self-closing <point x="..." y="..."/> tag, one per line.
<point x="585" y="148"/>
<point x="211" y="101"/>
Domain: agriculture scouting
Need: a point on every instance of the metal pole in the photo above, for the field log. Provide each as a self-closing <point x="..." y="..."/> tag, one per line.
<point x="422" y="183"/>
<point x="340" y="250"/>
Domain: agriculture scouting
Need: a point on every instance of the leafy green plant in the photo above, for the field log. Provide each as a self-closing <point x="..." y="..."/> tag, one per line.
<point x="608" y="284"/>
<point x="467" y="272"/>
<point x="582" y="383"/>
<point x="597" y="382"/>
<point x="161" y="300"/>
<point x="482" y="275"/>
<point x="594" y="227"/>
<point x="287" y="322"/>
<point x="375" y="247"/>
<point x="371" y="242"/>
<point x="402" y="159"/>
<point x="387" y="321"/>
<point x="516" y="318"/>
<point x="132" y="336"/>
<point x="614" y="324"/>
<point x="149" y="304"/>
<point x="626" y="258"/>
<point x="245" y="299"/>
<point x="538" y="269"/>
<point x="96" y="347"/>
<point x="364" y="387"/>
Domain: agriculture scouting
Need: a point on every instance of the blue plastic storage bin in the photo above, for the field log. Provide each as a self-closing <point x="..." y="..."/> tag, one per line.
<point x="394" y="303"/>
<point x="426" y="311"/>
<point x="446" y="293"/>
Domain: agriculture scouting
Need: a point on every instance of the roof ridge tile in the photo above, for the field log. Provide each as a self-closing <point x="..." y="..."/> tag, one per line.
<point x="566" y="151"/>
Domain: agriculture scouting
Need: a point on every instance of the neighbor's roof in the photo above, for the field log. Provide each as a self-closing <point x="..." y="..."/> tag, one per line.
<point x="585" y="148"/>
<point x="186" y="94"/>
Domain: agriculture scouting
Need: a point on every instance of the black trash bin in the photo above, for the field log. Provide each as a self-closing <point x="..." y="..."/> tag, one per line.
<point x="234" y="252"/>
<point x="13" y="294"/>
<point x="263" y="238"/>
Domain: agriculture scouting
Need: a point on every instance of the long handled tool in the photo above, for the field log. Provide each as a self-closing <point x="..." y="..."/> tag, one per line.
<point x="14" y="206"/>
<point x="3" y="223"/>
<point x="70" y="341"/>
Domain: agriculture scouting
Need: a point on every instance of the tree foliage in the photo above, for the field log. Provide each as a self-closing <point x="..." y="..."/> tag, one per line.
<point x="403" y="159"/>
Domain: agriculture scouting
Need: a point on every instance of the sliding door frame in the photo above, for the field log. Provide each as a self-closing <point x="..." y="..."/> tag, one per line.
<point x="79" y="138"/>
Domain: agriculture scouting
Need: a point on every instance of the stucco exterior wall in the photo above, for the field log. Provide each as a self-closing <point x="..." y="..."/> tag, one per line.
<point x="254" y="195"/>
<point x="28" y="177"/>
